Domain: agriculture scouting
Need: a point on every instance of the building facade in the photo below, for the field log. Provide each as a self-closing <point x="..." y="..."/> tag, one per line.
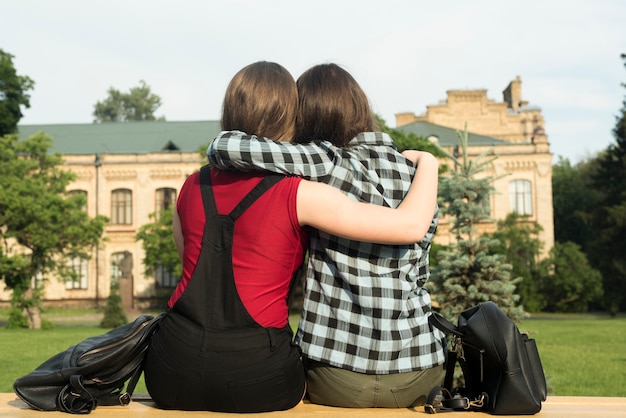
<point x="516" y="133"/>
<point x="128" y="171"/>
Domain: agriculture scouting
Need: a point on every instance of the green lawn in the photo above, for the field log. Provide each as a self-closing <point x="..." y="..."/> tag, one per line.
<point x="582" y="355"/>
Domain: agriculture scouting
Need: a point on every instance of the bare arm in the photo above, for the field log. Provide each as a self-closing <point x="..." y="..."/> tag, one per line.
<point x="328" y="209"/>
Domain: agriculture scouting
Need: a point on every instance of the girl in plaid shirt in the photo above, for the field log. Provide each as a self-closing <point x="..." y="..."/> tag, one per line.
<point x="364" y="329"/>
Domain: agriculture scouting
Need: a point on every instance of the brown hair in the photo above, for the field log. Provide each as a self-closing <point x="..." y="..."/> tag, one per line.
<point x="332" y="106"/>
<point x="261" y="99"/>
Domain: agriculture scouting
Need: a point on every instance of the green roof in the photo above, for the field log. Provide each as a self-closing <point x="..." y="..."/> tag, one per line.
<point x="127" y="137"/>
<point x="447" y="137"/>
<point x="164" y="136"/>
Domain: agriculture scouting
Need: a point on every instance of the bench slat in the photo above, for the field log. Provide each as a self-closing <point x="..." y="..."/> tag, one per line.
<point x="555" y="406"/>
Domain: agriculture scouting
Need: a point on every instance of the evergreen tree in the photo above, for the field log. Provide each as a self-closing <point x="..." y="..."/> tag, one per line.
<point x="609" y="232"/>
<point x="468" y="272"/>
<point x="114" y="314"/>
<point x="574" y="198"/>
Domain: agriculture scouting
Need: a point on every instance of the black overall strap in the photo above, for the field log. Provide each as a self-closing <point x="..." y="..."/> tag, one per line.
<point x="211" y="299"/>
<point x="209" y="200"/>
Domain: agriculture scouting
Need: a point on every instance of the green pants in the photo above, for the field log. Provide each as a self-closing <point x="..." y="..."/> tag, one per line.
<point x="332" y="386"/>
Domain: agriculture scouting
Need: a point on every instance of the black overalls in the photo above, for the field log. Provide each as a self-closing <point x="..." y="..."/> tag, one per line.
<point x="209" y="353"/>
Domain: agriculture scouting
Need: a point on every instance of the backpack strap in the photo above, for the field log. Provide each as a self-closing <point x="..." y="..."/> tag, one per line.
<point x="74" y="398"/>
<point x="438" y="321"/>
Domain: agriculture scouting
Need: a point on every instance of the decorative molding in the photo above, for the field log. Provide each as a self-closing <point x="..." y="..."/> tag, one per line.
<point x="519" y="165"/>
<point x="83" y="174"/>
<point x="162" y="173"/>
<point x="120" y="174"/>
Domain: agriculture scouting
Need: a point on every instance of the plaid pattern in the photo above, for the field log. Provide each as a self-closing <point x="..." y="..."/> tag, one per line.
<point x="365" y="308"/>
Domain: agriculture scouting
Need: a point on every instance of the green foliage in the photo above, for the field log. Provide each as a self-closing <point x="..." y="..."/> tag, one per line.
<point x="40" y="226"/>
<point x="573" y="284"/>
<point x="139" y="104"/>
<point x="13" y="94"/>
<point x="608" y="243"/>
<point x="158" y="244"/>
<point x="114" y="314"/>
<point x="468" y="272"/>
<point x="574" y="198"/>
<point x="518" y="240"/>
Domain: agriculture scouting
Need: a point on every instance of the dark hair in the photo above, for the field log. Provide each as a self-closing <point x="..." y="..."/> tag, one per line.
<point x="261" y="99"/>
<point x="332" y="106"/>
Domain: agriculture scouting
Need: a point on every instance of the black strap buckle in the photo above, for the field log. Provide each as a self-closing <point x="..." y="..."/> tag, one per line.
<point x="124" y="398"/>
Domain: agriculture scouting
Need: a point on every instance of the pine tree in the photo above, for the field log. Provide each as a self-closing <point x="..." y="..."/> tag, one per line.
<point x="608" y="244"/>
<point x="467" y="272"/>
<point x="114" y="314"/>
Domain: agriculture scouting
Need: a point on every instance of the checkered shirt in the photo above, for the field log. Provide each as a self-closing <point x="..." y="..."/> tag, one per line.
<point x="365" y="307"/>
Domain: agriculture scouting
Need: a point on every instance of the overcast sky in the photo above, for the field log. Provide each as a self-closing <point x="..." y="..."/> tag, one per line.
<point x="405" y="54"/>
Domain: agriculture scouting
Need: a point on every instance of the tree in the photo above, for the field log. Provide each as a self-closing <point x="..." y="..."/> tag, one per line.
<point x="468" y="272"/>
<point x="139" y="104"/>
<point x="517" y="240"/>
<point x="158" y="244"/>
<point x="13" y="94"/>
<point x="114" y="315"/>
<point x="41" y="227"/>
<point x="574" y="198"/>
<point x="609" y="218"/>
<point x="573" y="284"/>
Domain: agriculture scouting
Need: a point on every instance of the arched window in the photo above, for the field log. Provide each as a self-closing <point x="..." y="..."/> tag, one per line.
<point x="520" y="197"/>
<point x="122" y="207"/>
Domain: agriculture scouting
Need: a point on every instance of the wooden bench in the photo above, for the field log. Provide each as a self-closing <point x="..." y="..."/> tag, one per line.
<point x="556" y="406"/>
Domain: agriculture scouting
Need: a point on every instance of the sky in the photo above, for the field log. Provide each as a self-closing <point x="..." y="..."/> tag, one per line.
<point x="404" y="53"/>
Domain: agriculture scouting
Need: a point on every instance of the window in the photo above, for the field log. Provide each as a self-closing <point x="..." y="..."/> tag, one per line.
<point x="80" y="193"/>
<point x="164" y="278"/>
<point x="121" y="207"/>
<point x="520" y="197"/>
<point x="78" y="266"/>
<point x="165" y="198"/>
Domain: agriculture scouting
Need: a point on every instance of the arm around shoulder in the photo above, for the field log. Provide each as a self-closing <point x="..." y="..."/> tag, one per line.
<point x="328" y="209"/>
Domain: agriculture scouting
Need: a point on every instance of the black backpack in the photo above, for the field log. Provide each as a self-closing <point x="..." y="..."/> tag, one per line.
<point x="92" y="372"/>
<point x="501" y="368"/>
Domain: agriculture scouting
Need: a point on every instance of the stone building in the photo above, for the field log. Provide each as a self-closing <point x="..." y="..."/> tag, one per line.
<point x="130" y="170"/>
<point x="127" y="172"/>
<point x="516" y="132"/>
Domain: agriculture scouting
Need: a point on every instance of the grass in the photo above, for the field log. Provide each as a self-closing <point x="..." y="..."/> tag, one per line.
<point x="582" y="355"/>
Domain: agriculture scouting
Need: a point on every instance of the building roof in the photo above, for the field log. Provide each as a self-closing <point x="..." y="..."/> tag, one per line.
<point x="164" y="136"/>
<point x="127" y="137"/>
<point x="447" y="137"/>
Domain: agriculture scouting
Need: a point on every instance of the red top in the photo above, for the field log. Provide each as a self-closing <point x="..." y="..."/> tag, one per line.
<point x="268" y="242"/>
